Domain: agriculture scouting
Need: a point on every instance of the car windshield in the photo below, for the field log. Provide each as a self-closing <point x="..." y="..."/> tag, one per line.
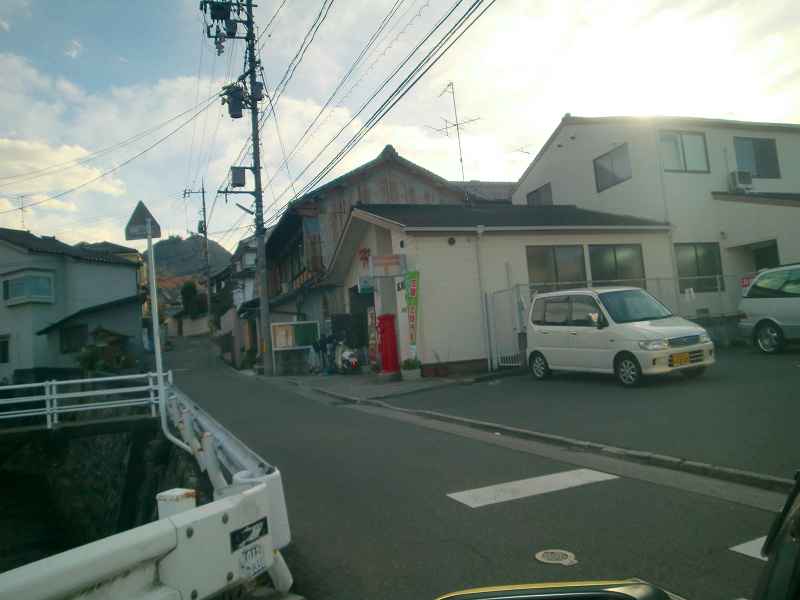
<point x="628" y="306"/>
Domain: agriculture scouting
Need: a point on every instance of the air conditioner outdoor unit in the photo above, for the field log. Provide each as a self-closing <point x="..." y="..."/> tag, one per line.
<point x="740" y="181"/>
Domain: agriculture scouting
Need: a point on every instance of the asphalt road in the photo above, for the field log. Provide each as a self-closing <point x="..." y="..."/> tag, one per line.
<point x="742" y="413"/>
<point x="370" y="515"/>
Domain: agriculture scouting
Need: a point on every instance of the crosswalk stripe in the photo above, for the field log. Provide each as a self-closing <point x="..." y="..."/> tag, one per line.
<point x="751" y="548"/>
<point x="523" y="488"/>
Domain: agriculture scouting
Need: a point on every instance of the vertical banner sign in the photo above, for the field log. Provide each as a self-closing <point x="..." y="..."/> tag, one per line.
<point x="412" y="307"/>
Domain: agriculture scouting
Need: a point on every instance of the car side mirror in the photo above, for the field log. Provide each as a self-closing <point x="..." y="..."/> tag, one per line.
<point x="630" y="589"/>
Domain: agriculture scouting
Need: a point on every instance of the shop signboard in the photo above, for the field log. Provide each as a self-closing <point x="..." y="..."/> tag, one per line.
<point x="391" y="265"/>
<point x="411" y="284"/>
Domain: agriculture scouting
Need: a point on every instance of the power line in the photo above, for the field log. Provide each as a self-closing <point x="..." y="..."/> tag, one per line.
<point x="266" y="29"/>
<point x="385" y="82"/>
<point x="119" y="166"/>
<point x="370" y="43"/>
<point x="196" y="95"/>
<point x="381" y="112"/>
<point x="52" y="169"/>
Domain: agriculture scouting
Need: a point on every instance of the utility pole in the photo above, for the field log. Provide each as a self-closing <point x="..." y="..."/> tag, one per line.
<point x="225" y="26"/>
<point x="202" y="227"/>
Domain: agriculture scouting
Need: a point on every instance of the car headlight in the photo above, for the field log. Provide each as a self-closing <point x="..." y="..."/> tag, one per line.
<point x="704" y="338"/>
<point x="654" y="345"/>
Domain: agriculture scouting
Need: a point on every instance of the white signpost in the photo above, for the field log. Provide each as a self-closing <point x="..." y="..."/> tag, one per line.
<point x="143" y="226"/>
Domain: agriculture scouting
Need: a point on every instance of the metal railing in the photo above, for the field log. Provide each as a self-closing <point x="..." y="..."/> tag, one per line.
<point x="54" y="399"/>
<point x="193" y="553"/>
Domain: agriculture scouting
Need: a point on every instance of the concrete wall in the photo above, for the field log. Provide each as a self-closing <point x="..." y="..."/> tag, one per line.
<point x="198" y="326"/>
<point x="89" y="283"/>
<point x="450" y="315"/>
<point x="683" y="199"/>
<point x="126" y="320"/>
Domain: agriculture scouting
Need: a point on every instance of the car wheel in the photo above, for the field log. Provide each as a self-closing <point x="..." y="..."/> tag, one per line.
<point x="538" y="365"/>
<point x="692" y="373"/>
<point x="628" y="371"/>
<point x="769" y="338"/>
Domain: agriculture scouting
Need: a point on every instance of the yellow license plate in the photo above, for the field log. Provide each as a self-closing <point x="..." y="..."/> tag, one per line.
<point x="680" y="359"/>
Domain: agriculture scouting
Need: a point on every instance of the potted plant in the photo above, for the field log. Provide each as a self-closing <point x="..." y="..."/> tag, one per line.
<point x="411" y="369"/>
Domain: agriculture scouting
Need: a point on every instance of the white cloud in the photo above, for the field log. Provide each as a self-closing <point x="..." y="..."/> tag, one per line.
<point x="519" y="69"/>
<point x="4" y="25"/>
<point x="74" y="49"/>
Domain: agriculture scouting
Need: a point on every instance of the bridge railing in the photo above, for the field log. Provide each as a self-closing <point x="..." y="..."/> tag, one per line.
<point x="190" y="552"/>
<point x="51" y="400"/>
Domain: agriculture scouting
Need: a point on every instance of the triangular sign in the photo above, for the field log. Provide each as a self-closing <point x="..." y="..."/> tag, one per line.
<point x="136" y="229"/>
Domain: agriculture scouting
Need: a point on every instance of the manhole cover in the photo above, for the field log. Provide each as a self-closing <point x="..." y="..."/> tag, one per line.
<point x="556" y="557"/>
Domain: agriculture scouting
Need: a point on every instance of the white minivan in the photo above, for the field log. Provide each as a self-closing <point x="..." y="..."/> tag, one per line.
<point x="619" y="330"/>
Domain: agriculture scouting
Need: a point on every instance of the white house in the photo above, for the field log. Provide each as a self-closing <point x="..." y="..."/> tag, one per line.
<point x="243" y="271"/>
<point x="729" y="189"/>
<point x="469" y="258"/>
<point x="57" y="298"/>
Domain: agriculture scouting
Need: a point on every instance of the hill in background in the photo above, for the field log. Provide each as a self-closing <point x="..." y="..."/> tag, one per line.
<point x="178" y="256"/>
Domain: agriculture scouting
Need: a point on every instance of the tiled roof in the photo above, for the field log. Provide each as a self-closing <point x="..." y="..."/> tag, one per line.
<point x="91" y="309"/>
<point x="50" y="245"/>
<point x="440" y="216"/>
<point x="107" y="247"/>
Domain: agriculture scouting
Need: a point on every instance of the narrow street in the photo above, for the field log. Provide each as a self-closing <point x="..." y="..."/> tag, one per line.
<point x="371" y="514"/>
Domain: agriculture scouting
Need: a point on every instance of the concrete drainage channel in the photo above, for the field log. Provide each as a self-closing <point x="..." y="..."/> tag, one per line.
<point x="740" y="476"/>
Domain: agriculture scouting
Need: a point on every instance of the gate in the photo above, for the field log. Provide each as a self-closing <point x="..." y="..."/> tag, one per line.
<point x="507" y="310"/>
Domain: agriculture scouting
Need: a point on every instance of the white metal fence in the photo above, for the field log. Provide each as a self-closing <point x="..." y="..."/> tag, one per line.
<point x="194" y="553"/>
<point x="695" y="298"/>
<point x="47" y="402"/>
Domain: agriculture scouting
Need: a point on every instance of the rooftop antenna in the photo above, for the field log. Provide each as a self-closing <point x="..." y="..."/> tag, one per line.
<point x="21" y="211"/>
<point x="448" y="125"/>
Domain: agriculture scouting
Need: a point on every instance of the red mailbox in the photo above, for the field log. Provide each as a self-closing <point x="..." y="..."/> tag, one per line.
<point x="387" y="335"/>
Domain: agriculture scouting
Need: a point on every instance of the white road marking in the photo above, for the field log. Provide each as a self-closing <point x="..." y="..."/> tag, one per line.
<point x="751" y="548"/>
<point x="523" y="488"/>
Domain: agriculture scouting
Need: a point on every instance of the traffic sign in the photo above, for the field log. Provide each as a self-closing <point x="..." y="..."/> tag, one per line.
<point x="136" y="229"/>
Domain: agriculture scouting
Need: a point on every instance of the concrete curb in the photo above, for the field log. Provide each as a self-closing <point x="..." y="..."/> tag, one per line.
<point x="750" y="478"/>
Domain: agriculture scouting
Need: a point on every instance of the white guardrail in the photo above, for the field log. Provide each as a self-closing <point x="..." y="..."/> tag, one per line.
<point x="190" y="553"/>
<point x="51" y="399"/>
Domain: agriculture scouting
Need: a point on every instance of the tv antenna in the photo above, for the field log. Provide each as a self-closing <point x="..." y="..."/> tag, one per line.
<point x="456" y="124"/>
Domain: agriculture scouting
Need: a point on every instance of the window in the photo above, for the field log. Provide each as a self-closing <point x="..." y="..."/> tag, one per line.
<point x="556" y="267"/>
<point x="556" y="311"/>
<point x="74" y="338"/>
<point x="776" y="284"/>
<point x="583" y="307"/>
<point x="28" y="288"/>
<point x="629" y="306"/>
<point x="684" y="151"/>
<point x="612" y="168"/>
<point x="617" y="265"/>
<point x="757" y="155"/>
<point x="537" y="316"/>
<point x="542" y="196"/>
<point x="249" y="260"/>
<point x="698" y="267"/>
<point x="4" y="349"/>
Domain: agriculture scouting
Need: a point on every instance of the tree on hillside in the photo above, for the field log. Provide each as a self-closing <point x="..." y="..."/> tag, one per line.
<point x="194" y="302"/>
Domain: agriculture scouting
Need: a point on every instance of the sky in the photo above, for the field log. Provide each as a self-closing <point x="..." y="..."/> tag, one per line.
<point x="81" y="76"/>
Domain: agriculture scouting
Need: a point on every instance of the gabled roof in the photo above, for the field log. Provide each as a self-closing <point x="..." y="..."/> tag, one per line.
<point x="90" y="310"/>
<point x="660" y="121"/>
<point x="488" y="191"/>
<point x="454" y="217"/>
<point x="106" y="247"/>
<point x="290" y="221"/>
<point x="50" y="245"/>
